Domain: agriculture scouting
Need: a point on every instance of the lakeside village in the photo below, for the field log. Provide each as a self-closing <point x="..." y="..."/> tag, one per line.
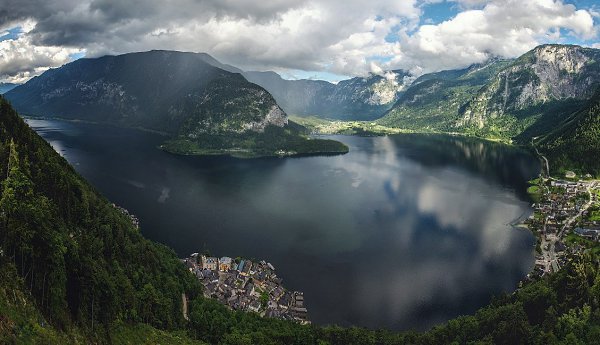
<point x="244" y="285"/>
<point x="566" y="220"/>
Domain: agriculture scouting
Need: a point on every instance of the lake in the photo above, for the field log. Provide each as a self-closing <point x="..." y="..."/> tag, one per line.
<point x="403" y="232"/>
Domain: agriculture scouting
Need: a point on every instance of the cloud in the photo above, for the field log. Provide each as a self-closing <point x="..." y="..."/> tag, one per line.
<point x="20" y="59"/>
<point x="352" y="37"/>
<point x="506" y="28"/>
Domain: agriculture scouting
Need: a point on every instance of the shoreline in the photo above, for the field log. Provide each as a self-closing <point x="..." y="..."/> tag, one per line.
<point x="246" y="285"/>
<point x="201" y="153"/>
<point x="316" y="124"/>
<point x="88" y="122"/>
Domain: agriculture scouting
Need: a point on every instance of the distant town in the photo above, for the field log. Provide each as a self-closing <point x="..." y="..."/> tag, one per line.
<point x="242" y="284"/>
<point x="566" y="219"/>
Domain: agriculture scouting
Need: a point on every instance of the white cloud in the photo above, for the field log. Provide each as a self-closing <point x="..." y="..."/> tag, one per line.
<point x="345" y="38"/>
<point x="506" y="28"/>
<point x="20" y="59"/>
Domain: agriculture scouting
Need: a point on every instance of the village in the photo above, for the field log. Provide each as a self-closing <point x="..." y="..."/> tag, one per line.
<point x="242" y="284"/>
<point x="566" y="220"/>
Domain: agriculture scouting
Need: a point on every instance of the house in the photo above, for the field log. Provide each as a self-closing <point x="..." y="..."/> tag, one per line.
<point x="249" y="289"/>
<point x="592" y="234"/>
<point x="273" y="313"/>
<point x="254" y="306"/>
<point x="299" y="313"/>
<point x="245" y="271"/>
<point x="225" y="264"/>
<point x="285" y="300"/>
<point x="209" y="263"/>
<point x="241" y="265"/>
<point x="191" y="264"/>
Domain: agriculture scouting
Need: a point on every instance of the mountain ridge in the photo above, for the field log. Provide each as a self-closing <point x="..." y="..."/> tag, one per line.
<point x="516" y="100"/>
<point x="358" y="98"/>
<point x="5" y="87"/>
<point x="205" y="109"/>
<point x="545" y="74"/>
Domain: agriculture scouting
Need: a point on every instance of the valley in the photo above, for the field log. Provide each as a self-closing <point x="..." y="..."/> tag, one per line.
<point x="549" y="94"/>
<point x="311" y="217"/>
<point x="542" y="94"/>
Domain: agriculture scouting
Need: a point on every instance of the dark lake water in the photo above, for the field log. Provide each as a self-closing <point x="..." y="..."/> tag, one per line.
<point x="403" y="232"/>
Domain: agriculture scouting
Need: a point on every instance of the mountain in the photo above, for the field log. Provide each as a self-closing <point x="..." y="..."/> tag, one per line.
<point x="434" y="100"/>
<point x="543" y="94"/>
<point x="575" y="143"/>
<point x="534" y="93"/>
<point x="203" y="108"/>
<point x="5" y="87"/>
<point x="359" y="98"/>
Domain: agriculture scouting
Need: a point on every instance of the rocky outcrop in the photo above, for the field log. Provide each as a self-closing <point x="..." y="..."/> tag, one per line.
<point x="275" y="117"/>
<point x="546" y="74"/>
<point x="434" y="100"/>
<point x="359" y="98"/>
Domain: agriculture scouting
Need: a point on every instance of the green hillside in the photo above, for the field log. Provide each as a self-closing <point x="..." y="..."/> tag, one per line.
<point x="542" y="94"/>
<point x="434" y="101"/>
<point x="80" y="259"/>
<point x="575" y="143"/>
<point x="535" y="93"/>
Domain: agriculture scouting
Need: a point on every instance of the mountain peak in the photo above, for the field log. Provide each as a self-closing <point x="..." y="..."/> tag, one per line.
<point x="529" y="87"/>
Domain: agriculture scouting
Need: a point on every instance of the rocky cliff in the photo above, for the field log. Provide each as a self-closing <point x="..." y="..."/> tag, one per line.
<point x="359" y="98"/>
<point x="433" y="101"/>
<point x="529" y="87"/>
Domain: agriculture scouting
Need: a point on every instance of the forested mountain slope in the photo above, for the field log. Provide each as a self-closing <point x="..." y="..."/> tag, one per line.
<point x="434" y="100"/>
<point x="80" y="258"/>
<point x="575" y="143"/>
<point x="534" y="93"/>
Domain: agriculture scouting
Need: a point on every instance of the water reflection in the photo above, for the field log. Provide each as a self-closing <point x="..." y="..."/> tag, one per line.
<point x="402" y="232"/>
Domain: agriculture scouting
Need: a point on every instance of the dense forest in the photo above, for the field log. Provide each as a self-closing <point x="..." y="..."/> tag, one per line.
<point x="575" y="143"/>
<point x="74" y="269"/>
<point x="80" y="258"/>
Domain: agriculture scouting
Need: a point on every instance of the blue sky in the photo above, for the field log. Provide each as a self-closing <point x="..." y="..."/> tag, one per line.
<point x="10" y="34"/>
<point x="325" y="39"/>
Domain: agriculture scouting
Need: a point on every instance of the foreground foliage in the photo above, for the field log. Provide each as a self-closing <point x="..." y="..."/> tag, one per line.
<point x="80" y="258"/>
